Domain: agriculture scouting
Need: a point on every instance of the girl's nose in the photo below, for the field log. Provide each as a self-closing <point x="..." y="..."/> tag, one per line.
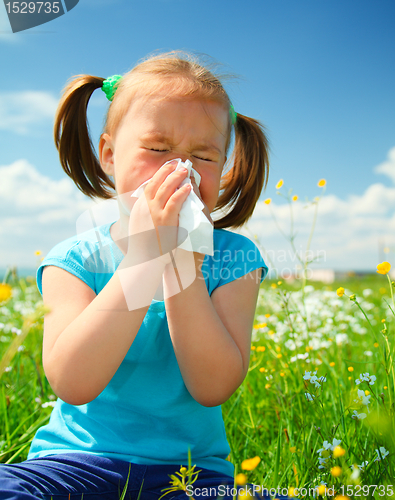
<point x="183" y="156"/>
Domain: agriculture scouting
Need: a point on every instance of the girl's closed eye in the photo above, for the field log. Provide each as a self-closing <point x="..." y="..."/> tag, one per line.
<point x="201" y="158"/>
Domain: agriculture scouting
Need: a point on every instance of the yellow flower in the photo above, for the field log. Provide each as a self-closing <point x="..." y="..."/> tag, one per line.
<point x="383" y="320"/>
<point x="274" y="285"/>
<point x="336" y="471"/>
<point x="282" y="374"/>
<point x="261" y="325"/>
<point x="261" y="348"/>
<point x="385" y="387"/>
<point x="262" y="370"/>
<point x="338" y="452"/>
<point x="383" y="268"/>
<point x="367" y="393"/>
<point x="279" y="282"/>
<point x="279" y="356"/>
<point x="38" y="252"/>
<point x="295" y="197"/>
<point x="267" y="386"/>
<point x="342" y="497"/>
<point x="321" y="183"/>
<point x="279" y="184"/>
<point x="267" y="315"/>
<point x="253" y="347"/>
<point x="340" y="291"/>
<point x="250" y="463"/>
<point x="350" y="369"/>
<point x="271" y="332"/>
<point x="332" y="363"/>
<point x="268" y="201"/>
<point x="278" y="348"/>
<point x="376" y="344"/>
<point x="292" y="492"/>
<point x="241" y="479"/>
<point x="292" y="449"/>
<point x="321" y="489"/>
<point x="5" y="292"/>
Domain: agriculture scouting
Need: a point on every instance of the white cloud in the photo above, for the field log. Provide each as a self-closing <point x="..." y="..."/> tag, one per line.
<point x="388" y="167"/>
<point x="36" y="213"/>
<point x="20" y="112"/>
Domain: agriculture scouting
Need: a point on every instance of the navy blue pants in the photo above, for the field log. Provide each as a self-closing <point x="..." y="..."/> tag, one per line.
<point x="71" y="475"/>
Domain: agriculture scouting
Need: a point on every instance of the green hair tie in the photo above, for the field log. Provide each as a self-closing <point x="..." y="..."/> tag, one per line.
<point x="109" y="86"/>
<point x="233" y="114"/>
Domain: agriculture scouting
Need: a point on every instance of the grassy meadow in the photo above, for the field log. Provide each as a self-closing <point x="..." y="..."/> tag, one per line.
<point x="281" y="416"/>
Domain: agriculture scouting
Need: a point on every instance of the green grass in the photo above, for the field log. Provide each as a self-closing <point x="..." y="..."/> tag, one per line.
<point x="269" y="416"/>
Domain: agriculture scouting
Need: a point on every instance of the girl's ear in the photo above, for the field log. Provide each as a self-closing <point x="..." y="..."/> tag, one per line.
<point x="106" y="154"/>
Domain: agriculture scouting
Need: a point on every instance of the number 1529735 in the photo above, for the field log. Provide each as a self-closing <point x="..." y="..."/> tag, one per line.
<point x="33" y="7"/>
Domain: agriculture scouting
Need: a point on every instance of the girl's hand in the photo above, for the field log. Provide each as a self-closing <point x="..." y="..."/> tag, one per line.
<point x="155" y="215"/>
<point x="197" y="192"/>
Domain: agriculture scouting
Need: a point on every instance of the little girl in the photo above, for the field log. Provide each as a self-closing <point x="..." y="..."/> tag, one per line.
<point x="140" y="382"/>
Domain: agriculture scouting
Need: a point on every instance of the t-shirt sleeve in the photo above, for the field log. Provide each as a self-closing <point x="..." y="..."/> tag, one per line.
<point x="237" y="256"/>
<point x="71" y="259"/>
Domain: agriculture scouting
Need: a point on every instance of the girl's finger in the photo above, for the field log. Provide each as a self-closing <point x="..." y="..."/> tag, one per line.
<point x="162" y="173"/>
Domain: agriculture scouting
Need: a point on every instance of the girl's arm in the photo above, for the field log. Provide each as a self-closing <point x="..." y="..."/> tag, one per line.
<point x="212" y="335"/>
<point x="86" y="336"/>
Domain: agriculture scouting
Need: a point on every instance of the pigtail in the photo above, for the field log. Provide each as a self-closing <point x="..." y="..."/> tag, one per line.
<point x="244" y="182"/>
<point x="73" y="142"/>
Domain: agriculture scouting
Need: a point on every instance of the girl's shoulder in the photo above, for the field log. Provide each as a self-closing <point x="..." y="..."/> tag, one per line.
<point x="82" y="245"/>
<point x="83" y="255"/>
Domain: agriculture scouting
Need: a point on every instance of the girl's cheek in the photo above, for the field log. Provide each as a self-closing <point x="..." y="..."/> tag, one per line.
<point x="145" y="165"/>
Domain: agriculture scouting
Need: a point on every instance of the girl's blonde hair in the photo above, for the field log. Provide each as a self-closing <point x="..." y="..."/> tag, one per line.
<point x="172" y="74"/>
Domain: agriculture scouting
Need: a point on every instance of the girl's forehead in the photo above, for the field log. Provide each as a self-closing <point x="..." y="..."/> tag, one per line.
<point x="152" y="111"/>
<point x="162" y="102"/>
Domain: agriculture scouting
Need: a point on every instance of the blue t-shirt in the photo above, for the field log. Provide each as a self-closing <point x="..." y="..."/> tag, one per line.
<point x="145" y="415"/>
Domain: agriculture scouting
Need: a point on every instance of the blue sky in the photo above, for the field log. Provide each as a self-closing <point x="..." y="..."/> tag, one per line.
<point x="319" y="75"/>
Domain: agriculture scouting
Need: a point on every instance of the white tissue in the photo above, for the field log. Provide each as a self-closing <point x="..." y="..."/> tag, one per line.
<point x="200" y="230"/>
